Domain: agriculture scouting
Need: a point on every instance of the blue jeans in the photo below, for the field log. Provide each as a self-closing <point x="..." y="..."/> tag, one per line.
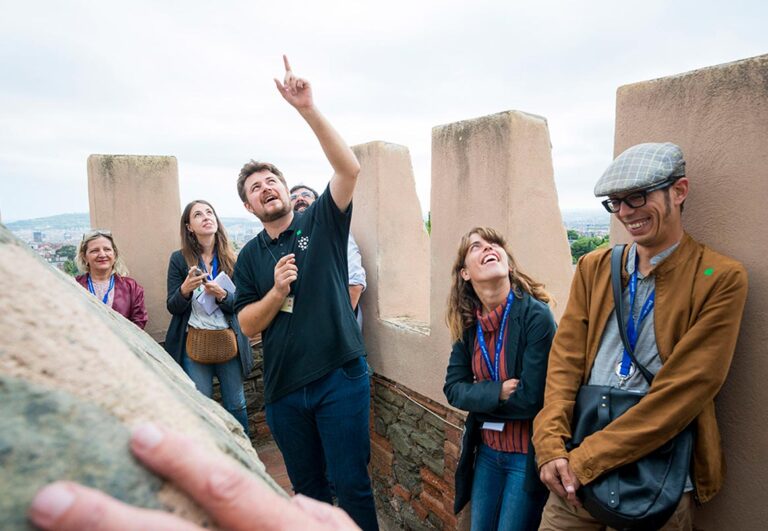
<point x="325" y="424"/>
<point x="498" y="499"/>
<point x="230" y="375"/>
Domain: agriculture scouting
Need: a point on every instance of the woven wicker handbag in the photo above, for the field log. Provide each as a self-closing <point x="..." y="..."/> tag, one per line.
<point x="211" y="346"/>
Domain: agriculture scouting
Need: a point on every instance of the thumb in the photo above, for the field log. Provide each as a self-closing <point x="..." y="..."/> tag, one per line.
<point x="565" y="476"/>
<point x="280" y="88"/>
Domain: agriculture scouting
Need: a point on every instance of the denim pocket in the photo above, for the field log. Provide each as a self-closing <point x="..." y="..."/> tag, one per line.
<point x="355" y="368"/>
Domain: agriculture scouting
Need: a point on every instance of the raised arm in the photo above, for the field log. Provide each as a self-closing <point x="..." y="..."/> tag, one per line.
<point x="298" y="92"/>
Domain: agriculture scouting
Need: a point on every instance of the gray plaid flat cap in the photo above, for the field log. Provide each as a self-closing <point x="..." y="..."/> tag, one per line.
<point x="640" y="167"/>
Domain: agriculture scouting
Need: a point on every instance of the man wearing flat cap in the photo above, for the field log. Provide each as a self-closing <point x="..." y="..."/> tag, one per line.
<point x="685" y="302"/>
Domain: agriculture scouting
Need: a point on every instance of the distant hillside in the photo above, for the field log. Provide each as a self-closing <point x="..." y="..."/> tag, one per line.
<point x="80" y="221"/>
<point x="73" y="221"/>
<point x="596" y="216"/>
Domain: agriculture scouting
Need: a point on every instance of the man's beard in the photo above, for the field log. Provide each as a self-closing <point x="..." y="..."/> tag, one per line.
<point x="300" y="206"/>
<point x="267" y="217"/>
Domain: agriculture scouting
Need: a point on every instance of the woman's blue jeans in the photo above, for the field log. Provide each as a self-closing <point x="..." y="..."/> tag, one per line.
<point x="230" y="375"/>
<point x="499" y="501"/>
<point x="325" y="424"/>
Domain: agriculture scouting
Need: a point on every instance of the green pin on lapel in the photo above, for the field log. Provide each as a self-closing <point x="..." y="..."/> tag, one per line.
<point x="298" y="232"/>
<point x="708" y="271"/>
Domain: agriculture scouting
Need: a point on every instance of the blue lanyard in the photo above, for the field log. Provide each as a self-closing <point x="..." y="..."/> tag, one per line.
<point x="106" y="295"/>
<point x="494" y="368"/>
<point x="214" y="267"/>
<point x="633" y="329"/>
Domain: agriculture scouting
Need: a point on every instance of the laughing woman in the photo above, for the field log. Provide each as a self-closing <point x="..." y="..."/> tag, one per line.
<point x="502" y="328"/>
<point x="207" y="344"/>
<point x="106" y="277"/>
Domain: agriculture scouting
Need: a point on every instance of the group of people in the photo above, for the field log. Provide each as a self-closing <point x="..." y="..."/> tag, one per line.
<point x="512" y="368"/>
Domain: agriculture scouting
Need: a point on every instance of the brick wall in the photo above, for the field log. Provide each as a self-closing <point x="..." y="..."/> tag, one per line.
<point x="414" y="451"/>
<point x="254" y="399"/>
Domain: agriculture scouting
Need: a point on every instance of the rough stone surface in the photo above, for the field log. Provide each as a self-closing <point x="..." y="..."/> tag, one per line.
<point x="70" y="345"/>
<point x="37" y="424"/>
<point x="412" y="474"/>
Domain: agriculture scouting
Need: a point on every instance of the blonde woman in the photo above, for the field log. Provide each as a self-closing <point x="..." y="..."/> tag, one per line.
<point x="105" y="276"/>
<point x="502" y="328"/>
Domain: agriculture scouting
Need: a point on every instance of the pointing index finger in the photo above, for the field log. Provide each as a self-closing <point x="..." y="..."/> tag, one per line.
<point x="286" y="63"/>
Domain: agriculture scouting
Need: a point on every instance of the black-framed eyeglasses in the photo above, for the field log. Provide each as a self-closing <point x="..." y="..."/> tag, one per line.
<point x="635" y="199"/>
<point x="302" y="194"/>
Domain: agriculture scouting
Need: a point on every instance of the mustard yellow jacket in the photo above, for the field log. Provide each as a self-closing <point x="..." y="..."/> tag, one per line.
<point x="700" y="297"/>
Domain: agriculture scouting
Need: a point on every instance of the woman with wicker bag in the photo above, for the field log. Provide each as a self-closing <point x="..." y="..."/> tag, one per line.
<point x="204" y="336"/>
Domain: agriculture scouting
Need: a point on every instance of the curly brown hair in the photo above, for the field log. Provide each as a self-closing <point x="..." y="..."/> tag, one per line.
<point x="463" y="302"/>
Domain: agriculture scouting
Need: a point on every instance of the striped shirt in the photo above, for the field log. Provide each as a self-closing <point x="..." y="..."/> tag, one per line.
<point x="515" y="436"/>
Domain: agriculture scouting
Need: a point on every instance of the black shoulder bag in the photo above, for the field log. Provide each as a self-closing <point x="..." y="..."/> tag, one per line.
<point x="639" y="495"/>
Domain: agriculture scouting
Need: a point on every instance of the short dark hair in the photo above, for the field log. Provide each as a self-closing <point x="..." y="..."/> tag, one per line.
<point x="255" y="166"/>
<point x="300" y="186"/>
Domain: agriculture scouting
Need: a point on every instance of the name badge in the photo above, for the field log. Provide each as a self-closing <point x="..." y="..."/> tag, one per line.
<point x="493" y="426"/>
<point x="287" y="306"/>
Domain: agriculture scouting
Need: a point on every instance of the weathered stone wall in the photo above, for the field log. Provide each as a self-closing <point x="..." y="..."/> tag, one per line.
<point x="74" y="376"/>
<point x="495" y="170"/>
<point x="719" y="116"/>
<point x="414" y="450"/>
<point x="253" y="385"/>
<point x="137" y="198"/>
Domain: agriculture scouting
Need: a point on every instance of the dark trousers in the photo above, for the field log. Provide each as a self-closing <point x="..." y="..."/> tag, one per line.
<point x="325" y="423"/>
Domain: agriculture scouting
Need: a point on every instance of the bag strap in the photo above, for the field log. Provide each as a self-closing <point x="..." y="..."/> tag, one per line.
<point x="616" y="255"/>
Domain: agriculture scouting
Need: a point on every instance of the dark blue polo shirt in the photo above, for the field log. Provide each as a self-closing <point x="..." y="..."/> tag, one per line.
<point x="321" y="334"/>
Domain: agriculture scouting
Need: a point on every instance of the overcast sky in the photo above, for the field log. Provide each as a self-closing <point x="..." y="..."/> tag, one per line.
<point x="193" y="79"/>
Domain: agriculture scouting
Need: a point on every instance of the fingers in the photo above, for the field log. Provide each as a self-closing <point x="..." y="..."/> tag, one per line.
<point x="286" y="63"/>
<point x="280" y="87"/>
<point x="568" y="480"/>
<point x="67" y="506"/>
<point x="285" y="259"/>
<point x="286" y="268"/>
<point x="234" y="497"/>
<point x="324" y="513"/>
<point x="286" y="277"/>
<point x="550" y="476"/>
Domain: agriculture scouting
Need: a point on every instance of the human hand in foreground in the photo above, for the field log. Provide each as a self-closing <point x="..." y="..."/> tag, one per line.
<point x="559" y="478"/>
<point x="296" y="91"/>
<point x="233" y="497"/>
<point x="507" y="388"/>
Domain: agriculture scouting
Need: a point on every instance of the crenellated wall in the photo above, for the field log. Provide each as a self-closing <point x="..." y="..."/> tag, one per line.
<point x="719" y="117"/>
<point x="496" y="171"/>
<point x="137" y="198"/>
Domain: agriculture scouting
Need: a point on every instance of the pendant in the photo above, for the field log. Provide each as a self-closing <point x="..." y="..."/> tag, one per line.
<point x="629" y="375"/>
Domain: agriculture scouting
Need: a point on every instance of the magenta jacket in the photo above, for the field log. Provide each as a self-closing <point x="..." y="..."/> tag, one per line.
<point x="128" y="301"/>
